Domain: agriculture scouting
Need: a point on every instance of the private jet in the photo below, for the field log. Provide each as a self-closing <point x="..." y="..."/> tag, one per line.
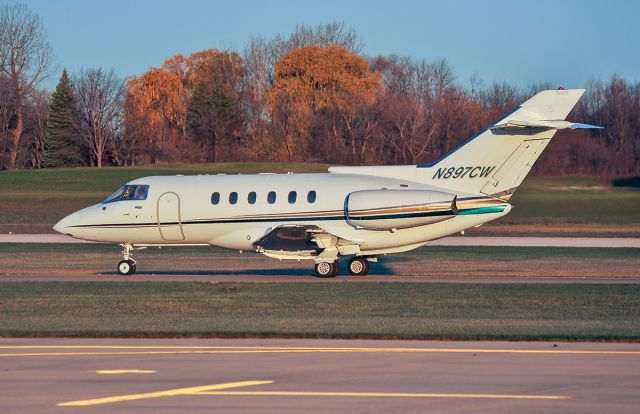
<point x="348" y="212"/>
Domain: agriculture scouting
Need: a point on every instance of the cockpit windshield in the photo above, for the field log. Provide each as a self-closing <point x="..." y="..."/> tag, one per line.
<point x="129" y="192"/>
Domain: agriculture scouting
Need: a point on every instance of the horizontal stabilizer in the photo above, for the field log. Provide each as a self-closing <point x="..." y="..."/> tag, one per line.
<point x="549" y="124"/>
<point x="585" y="126"/>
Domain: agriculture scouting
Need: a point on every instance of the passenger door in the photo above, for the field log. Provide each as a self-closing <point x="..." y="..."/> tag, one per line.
<point x="169" y="220"/>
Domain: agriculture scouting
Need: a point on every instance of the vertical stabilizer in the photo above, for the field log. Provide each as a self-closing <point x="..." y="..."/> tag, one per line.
<point x="496" y="161"/>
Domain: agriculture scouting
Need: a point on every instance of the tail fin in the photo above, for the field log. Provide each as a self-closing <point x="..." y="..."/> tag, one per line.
<point x="495" y="161"/>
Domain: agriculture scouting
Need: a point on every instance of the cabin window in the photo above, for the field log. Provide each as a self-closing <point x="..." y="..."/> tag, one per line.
<point x="215" y="198"/>
<point x="251" y="198"/>
<point x="311" y="197"/>
<point x="271" y="197"/>
<point x="233" y="197"/>
<point x="129" y="192"/>
<point x="293" y="196"/>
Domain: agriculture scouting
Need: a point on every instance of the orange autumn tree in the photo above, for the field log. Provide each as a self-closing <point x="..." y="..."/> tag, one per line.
<point x="159" y="97"/>
<point x="327" y="89"/>
<point x="158" y="100"/>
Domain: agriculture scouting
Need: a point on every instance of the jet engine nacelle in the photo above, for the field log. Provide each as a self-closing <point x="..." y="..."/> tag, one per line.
<point x="398" y="209"/>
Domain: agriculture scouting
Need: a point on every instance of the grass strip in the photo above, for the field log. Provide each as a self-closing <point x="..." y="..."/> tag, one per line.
<point x="591" y="312"/>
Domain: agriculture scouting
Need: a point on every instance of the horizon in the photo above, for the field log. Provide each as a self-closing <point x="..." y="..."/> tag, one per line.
<point x="506" y="49"/>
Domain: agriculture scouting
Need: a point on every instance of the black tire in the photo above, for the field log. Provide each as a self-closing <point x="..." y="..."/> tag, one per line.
<point x="359" y="266"/>
<point x="335" y="268"/>
<point x="126" y="267"/>
<point x="325" y="269"/>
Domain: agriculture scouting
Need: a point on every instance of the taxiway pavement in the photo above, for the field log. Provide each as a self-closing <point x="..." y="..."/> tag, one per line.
<point x="297" y="375"/>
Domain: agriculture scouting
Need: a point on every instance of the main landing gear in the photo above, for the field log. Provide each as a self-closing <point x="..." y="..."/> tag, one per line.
<point x="358" y="266"/>
<point x="127" y="265"/>
<point x="326" y="269"/>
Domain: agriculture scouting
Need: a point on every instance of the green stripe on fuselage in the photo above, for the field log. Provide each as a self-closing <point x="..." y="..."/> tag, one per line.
<point x="482" y="210"/>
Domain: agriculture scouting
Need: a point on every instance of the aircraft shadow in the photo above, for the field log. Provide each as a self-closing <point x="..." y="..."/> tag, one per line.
<point x="377" y="269"/>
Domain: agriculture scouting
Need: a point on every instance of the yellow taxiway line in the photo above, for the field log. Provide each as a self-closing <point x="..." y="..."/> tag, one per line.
<point x="214" y="389"/>
<point x="177" y="350"/>
<point x="384" y="394"/>
<point x="157" y="394"/>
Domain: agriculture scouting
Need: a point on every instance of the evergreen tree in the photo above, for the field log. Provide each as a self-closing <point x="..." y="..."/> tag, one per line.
<point x="213" y="115"/>
<point x="63" y="148"/>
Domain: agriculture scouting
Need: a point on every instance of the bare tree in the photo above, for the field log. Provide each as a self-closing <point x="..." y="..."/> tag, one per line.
<point x="444" y="77"/>
<point x="7" y="109"/>
<point x="100" y="99"/>
<point x="125" y="145"/>
<point x="334" y="33"/>
<point x="620" y="111"/>
<point x="499" y="99"/>
<point x="25" y="57"/>
<point x="39" y="111"/>
<point x="411" y="113"/>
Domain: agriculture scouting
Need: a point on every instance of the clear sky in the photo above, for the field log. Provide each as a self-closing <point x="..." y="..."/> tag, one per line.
<point x="565" y="42"/>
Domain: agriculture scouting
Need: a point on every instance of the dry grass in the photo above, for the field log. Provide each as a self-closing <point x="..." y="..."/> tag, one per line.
<point x="362" y="310"/>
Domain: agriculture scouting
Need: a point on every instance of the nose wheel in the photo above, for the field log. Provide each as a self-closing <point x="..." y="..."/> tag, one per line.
<point x="127" y="265"/>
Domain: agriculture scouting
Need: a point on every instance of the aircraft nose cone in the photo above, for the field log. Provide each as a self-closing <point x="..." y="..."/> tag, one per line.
<point x="64" y="226"/>
<point x="72" y="225"/>
<point x="60" y="226"/>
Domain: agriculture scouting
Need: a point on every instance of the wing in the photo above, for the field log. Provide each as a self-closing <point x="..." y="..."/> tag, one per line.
<point x="535" y="124"/>
<point x="304" y="242"/>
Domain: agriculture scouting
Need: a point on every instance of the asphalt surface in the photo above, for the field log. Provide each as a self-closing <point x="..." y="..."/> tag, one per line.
<point x="280" y="376"/>
<point x="604" y="242"/>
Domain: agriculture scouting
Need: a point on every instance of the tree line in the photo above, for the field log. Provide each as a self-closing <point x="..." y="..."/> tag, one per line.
<point x="308" y="96"/>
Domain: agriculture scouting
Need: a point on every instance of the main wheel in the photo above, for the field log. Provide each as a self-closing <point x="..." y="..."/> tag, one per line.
<point x="325" y="269"/>
<point x="359" y="266"/>
<point x="127" y="267"/>
<point x="335" y="268"/>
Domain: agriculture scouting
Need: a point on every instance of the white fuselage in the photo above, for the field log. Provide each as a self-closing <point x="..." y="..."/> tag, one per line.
<point x="178" y="210"/>
<point x="353" y="211"/>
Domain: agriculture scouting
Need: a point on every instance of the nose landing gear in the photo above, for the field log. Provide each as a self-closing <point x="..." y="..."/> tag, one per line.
<point x="127" y="265"/>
